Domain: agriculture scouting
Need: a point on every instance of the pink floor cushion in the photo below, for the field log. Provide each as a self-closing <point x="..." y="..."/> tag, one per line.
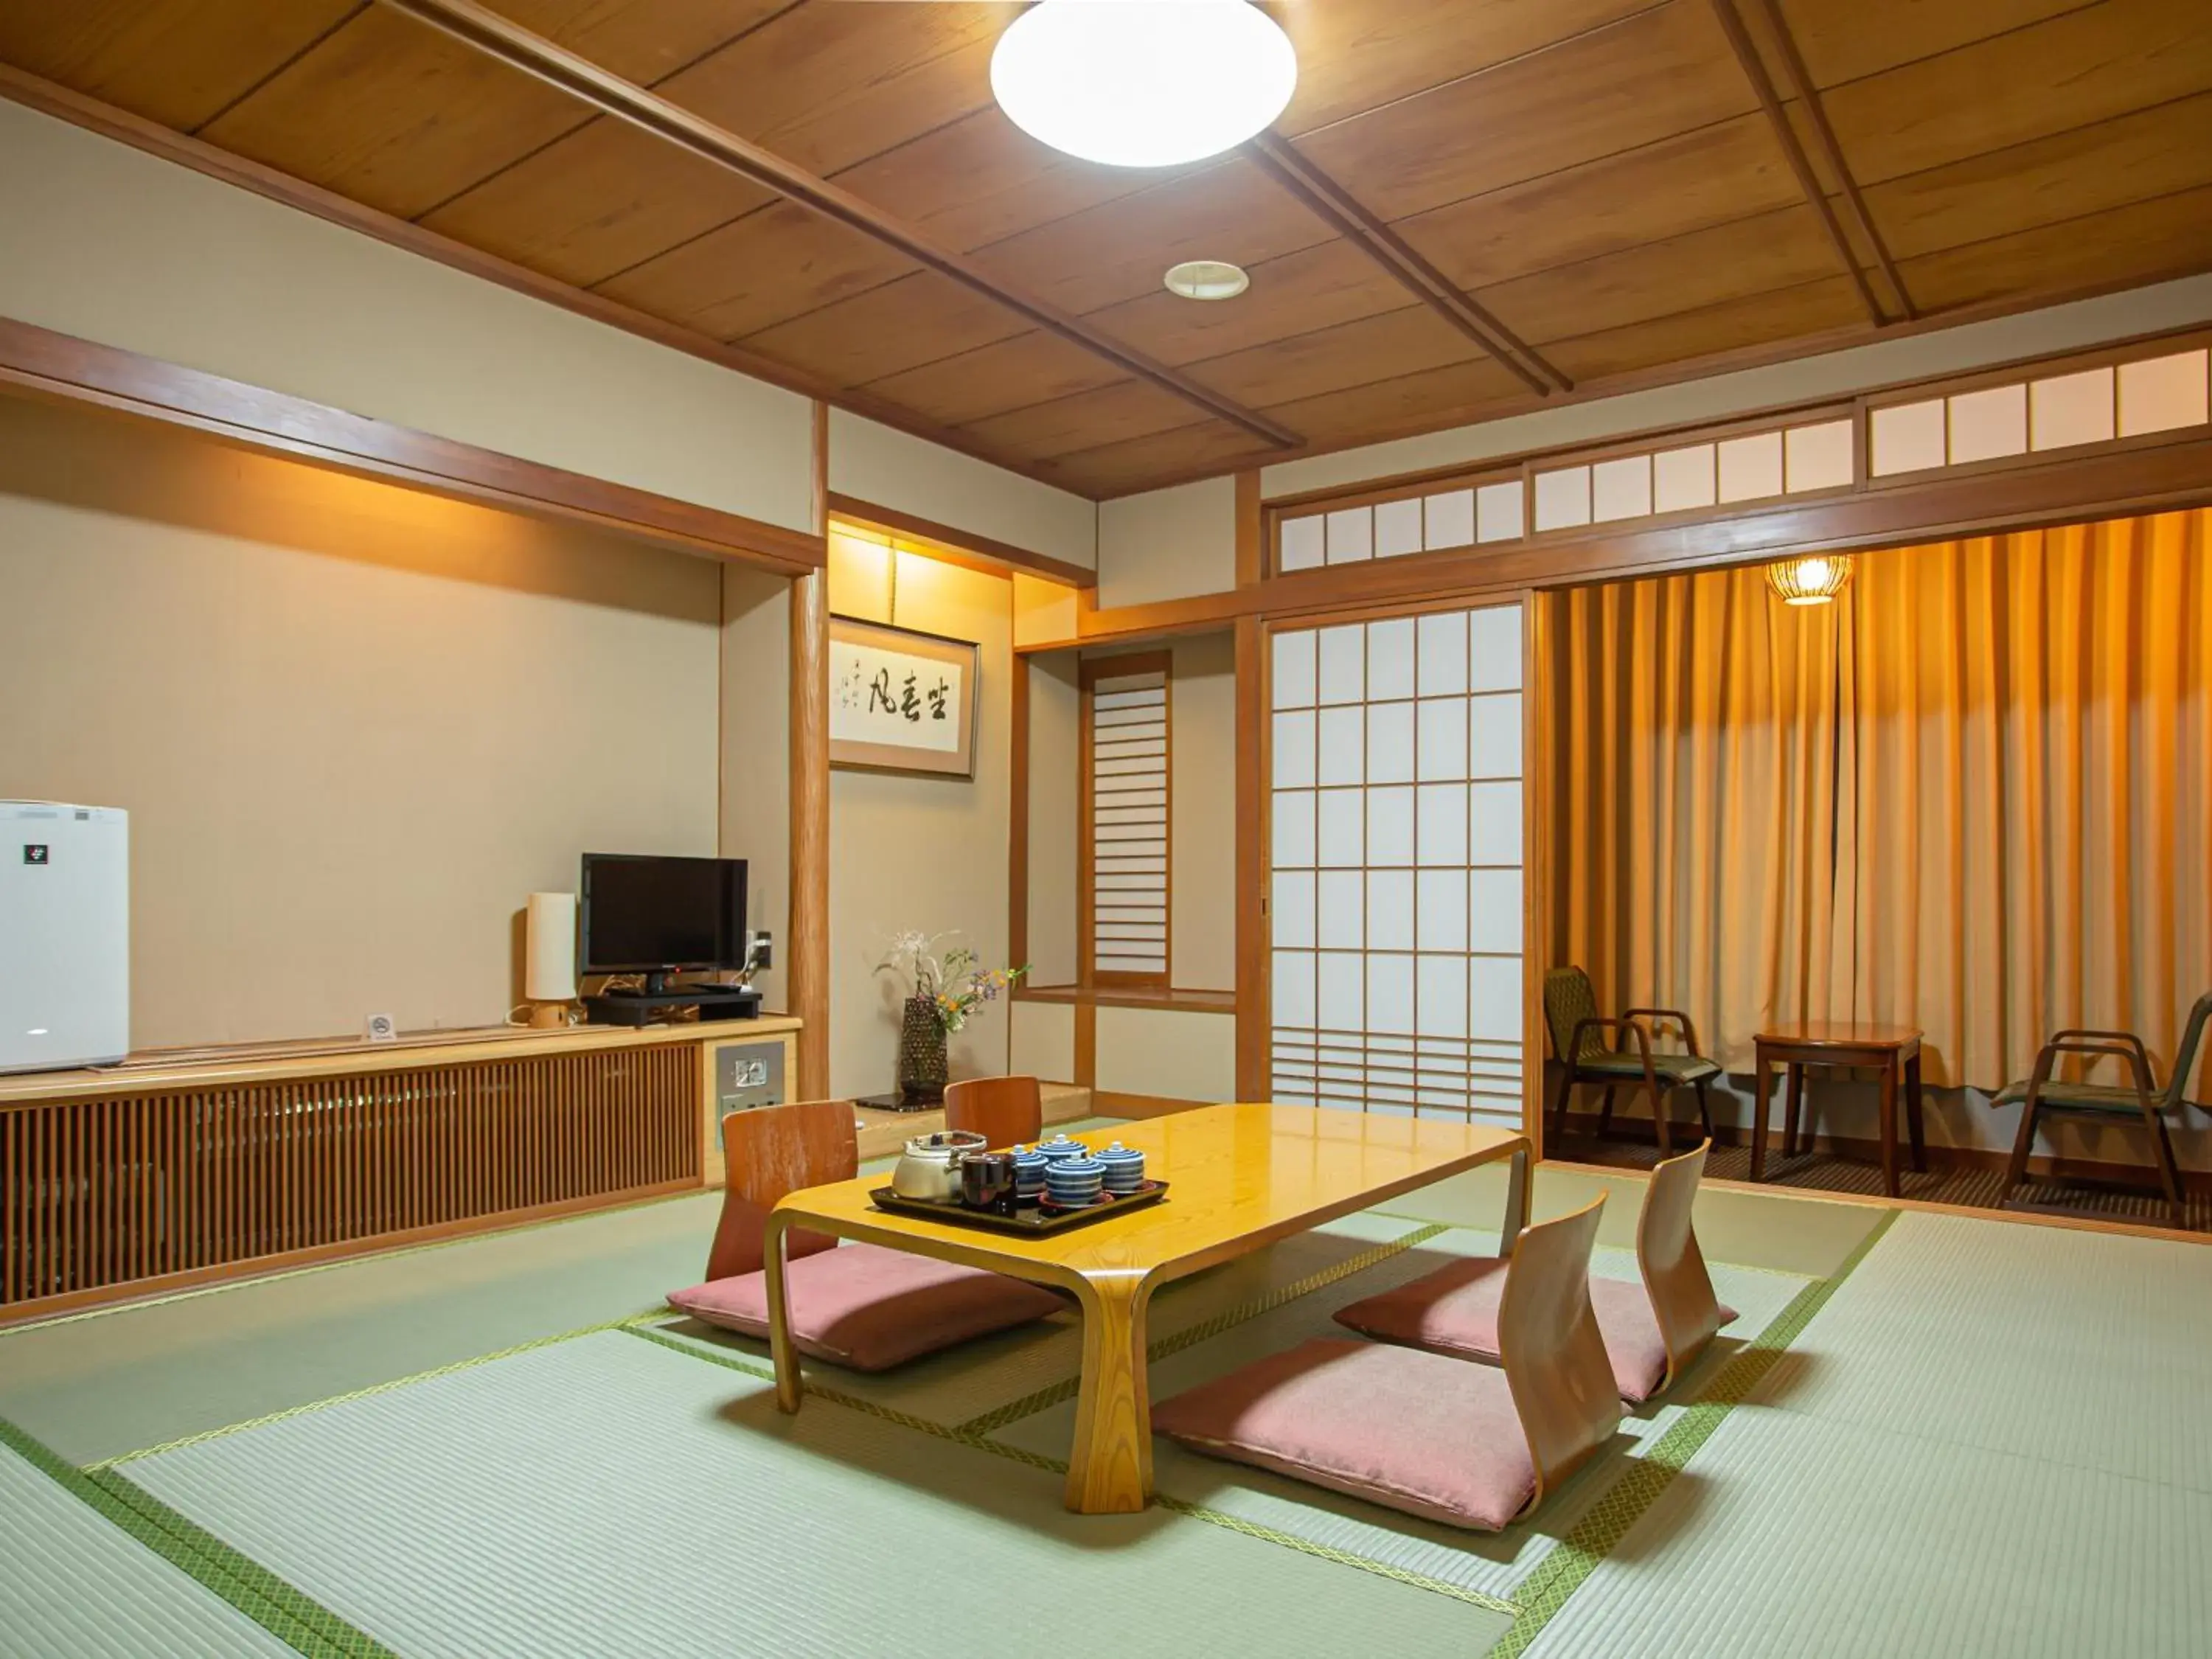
<point x="868" y="1308"/>
<point x="1454" y="1310"/>
<point x="1420" y="1432"/>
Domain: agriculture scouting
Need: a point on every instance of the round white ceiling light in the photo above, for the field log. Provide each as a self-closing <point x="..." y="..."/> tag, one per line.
<point x="1208" y="279"/>
<point x="1143" y="83"/>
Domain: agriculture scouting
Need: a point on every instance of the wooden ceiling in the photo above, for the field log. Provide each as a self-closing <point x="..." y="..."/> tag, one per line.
<point x="1470" y="205"/>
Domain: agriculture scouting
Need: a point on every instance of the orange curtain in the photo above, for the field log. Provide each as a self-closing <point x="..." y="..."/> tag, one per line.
<point x="1974" y="795"/>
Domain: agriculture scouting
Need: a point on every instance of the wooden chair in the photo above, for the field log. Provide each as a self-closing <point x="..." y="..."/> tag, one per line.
<point x="1654" y="1330"/>
<point x="1468" y="1445"/>
<point x="1570" y="1017"/>
<point x="1005" y="1111"/>
<point x="858" y="1306"/>
<point x="2138" y="1101"/>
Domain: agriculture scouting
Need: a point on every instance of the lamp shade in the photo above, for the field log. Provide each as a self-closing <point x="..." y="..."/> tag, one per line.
<point x="549" y="971"/>
<point x="1143" y="83"/>
<point x="1815" y="579"/>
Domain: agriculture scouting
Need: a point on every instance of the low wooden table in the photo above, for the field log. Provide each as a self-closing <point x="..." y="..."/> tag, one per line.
<point x="1240" y="1176"/>
<point x="1893" y="1049"/>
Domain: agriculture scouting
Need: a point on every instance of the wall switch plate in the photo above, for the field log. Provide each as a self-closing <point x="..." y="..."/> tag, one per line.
<point x="382" y="1028"/>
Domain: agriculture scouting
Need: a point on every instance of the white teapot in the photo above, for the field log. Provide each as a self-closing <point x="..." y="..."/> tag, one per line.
<point x="930" y="1168"/>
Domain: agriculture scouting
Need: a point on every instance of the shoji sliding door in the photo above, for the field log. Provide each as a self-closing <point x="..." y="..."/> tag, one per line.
<point x="1395" y="878"/>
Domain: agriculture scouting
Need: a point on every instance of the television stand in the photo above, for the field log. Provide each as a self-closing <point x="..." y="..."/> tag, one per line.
<point x="713" y="1002"/>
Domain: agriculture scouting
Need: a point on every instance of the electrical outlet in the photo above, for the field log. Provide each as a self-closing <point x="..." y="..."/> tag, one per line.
<point x="763" y="949"/>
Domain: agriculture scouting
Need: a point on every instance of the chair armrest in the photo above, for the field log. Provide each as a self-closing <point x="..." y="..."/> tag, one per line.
<point x="1689" y="1031"/>
<point x="2128" y="1040"/>
<point x="2094" y="1045"/>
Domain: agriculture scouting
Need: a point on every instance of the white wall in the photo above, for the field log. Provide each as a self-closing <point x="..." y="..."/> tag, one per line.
<point x="1168" y="544"/>
<point x="756" y="754"/>
<point x="2077" y="325"/>
<point x="888" y="468"/>
<point x="355" y="725"/>
<point x="1055" y="791"/>
<point x="1043" y="1044"/>
<point x="110" y="244"/>
<point x="1172" y="1053"/>
<point x="921" y="852"/>
<point x="1202" y="852"/>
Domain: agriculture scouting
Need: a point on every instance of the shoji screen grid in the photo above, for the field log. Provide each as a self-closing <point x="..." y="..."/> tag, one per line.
<point x="1395" y="878"/>
<point x="1128" y="819"/>
<point x="2014" y="420"/>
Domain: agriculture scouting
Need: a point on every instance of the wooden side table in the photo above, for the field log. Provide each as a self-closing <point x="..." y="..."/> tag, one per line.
<point x="1893" y="1049"/>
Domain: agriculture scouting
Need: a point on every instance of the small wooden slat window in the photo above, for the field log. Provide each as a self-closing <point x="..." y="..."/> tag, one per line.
<point x="1125" y="817"/>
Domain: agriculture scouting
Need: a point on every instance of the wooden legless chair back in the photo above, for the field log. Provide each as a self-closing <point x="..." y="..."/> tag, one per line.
<point x="767" y="1152"/>
<point x="1550" y="1348"/>
<point x="1673" y="1267"/>
<point x="1004" y="1110"/>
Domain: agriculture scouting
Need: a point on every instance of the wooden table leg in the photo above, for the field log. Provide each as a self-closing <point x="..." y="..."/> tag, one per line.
<point x="1794" y="1092"/>
<point x="1110" y="1469"/>
<point x="778" y="1317"/>
<point x="1889" y="1127"/>
<point x="1517" y="1182"/>
<point x="1915" y="1104"/>
<point x="1763" y="1082"/>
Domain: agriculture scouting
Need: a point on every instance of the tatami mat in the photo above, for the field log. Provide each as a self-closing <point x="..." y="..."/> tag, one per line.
<point x="134" y="1377"/>
<point x="1491" y="1564"/>
<point x="607" y="1495"/>
<point x="72" y="1586"/>
<point x="1820" y="1539"/>
<point x="2078" y="1347"/>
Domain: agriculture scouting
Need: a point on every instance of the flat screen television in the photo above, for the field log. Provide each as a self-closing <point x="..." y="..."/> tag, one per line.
<point x="644" y="914"/>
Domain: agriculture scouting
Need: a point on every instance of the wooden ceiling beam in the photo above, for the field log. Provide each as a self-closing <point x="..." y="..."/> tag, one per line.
<point x="1762" y="84"/>
<point x="1808" y="99"/>
<point x="1280" y="159"/>
<point x="520" y="48"/>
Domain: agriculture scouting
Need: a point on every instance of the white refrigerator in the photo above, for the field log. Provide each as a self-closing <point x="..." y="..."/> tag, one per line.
<point x="64" y="935"/>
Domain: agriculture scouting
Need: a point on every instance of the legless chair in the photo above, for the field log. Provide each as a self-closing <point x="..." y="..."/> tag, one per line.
<point x="1004" y="1110"/>
<point x="857" y="1305"/>
<point x="1468" y="1445"/>
<point x="1653" y="1332"/>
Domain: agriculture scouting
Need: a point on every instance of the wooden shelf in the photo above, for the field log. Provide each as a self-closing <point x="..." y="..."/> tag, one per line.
<point x="1099" y="996"/>
<point x="260" y="1062"/>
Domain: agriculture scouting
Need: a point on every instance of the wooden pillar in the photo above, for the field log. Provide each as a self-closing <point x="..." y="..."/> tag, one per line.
<point x="1253" y="1047"/>
<point x="806" y="974"/>
<point x="1252" y="999"/>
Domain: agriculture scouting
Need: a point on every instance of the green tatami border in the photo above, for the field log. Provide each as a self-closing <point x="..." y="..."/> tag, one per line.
<point x="287" y="1613"/>
<point x="290" y="1411"/>
<point x="1572" y="1560"/>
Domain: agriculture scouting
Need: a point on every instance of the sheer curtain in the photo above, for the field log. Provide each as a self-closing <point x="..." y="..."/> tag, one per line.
<point x="1974" y="795"/>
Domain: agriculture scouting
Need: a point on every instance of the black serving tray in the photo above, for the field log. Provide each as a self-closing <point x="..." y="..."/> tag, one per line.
<point x="1031" y="1221"/>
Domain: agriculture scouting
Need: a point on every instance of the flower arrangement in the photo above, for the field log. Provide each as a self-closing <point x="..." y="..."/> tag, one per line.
<point x="953" y="982"/>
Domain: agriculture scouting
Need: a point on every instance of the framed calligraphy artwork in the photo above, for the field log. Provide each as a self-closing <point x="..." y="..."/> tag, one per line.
<point x="901" y="701"/>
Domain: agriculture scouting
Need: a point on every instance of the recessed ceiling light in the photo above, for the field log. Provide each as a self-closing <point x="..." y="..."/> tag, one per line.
<point x="1143" y="83"/>
<point x="1208" y="279"/>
